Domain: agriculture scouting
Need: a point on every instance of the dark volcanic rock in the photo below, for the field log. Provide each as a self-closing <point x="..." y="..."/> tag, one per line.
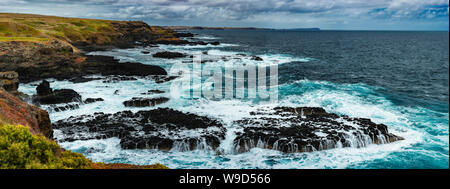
<point x="44" y="88"/>
<point x="71" y="106"/>
<point x="92" y="100"/>
<point x="81" y="79"/>
<point x="198" y="43"/>
<point x="215" y="43"/>
<point x="162" y="128"/>
<point x="116" y="79"/>
<point x="64" y="107"/>
<point x="155" y="91"/>
<point x="145" y="52"/>
<point x="109" y="66"/>
<point x="163" y="78"/>
<point x="169" y="55"/>
<point x="58" y="96"/>
<point x="173" y="42"/>
<point x="256" y="58"/>
<point x="145" y="102"/>
<point x="306" y="129"/>
<point x="45" y="95"/>
<point x="184" y="35"/>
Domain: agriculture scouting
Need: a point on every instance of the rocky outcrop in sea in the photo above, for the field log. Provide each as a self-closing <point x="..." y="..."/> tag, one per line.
<point x="307" y="129"/>
<point x="161" y="128"/>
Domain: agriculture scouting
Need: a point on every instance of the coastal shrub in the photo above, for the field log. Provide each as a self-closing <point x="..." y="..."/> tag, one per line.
<point x="10" y="29"/>
<point x="19" y="149"/>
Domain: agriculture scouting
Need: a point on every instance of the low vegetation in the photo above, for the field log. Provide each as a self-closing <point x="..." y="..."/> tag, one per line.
<point x="19" y="149"/>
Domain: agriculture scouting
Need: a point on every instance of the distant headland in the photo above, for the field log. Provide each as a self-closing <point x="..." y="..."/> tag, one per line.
<point x="236" y="28"/>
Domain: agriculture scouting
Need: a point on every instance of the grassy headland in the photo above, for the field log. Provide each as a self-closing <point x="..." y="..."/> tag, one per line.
<point x="37" y="47"/>
<point x="29" y="27"/>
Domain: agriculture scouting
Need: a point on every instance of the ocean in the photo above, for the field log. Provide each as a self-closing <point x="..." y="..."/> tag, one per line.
<point x="397" y="78"/>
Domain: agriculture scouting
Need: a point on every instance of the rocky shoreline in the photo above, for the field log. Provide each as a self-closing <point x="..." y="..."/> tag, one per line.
<point x="285" y="129"/>
<point x="307" y="129"/>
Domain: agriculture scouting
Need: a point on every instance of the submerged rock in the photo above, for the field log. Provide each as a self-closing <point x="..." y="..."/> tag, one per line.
<point x="169" y="55"/>
<point x="64" y="107"/>
<point x="81" y="79"/>
<point x="306" y="129"/>
<point x="162" y="128"/>
<point x="145" y="102"/>
<point x="173" y="42"/>
<point x="215" y="43"/>
<point x="184" y="35"/>
<point x="155" y="91"/>
<point x="256" y="58"/>
<point x="71" y="106"/>
<point x="116" y="79"/>
<point x="163" y="78"/>
<point x="92" y="100"/>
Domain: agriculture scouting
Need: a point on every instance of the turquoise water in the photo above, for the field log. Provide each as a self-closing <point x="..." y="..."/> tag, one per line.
<point x="415" y="110"/>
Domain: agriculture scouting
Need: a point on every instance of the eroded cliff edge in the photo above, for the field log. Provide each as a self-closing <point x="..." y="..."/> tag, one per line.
<point x="39" y="47"/>
<point x="35" y="47"/>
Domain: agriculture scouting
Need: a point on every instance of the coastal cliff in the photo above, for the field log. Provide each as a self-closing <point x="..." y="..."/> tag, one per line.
<point x="39" y="47"/>
<point x="15" y="111"/>
<point x="34" y="47"/>
<point x="26" y="136"/>
<point x="82" y="33"/>
<point x="92" y="96"/>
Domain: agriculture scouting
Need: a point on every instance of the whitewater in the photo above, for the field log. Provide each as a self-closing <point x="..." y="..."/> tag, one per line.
<point x="426" y="131"/>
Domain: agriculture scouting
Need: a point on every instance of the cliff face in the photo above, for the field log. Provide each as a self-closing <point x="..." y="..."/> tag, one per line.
<point x="53" y="58"/>
<point x="15" y="111"/>
<point x="40" y="47"/>
<point x="34" y="47"/>
<point x="28" y="146"/>
<point x="84" y="33"/>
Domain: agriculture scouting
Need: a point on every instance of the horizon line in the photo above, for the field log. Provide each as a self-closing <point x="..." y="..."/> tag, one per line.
<point x="242" y="27"/>
<point x="320" y="29"/>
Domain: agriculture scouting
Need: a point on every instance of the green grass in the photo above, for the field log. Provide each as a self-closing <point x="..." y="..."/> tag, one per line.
<point x="72" y="30"/>
<point x="33" y="39"/>
<point x="69" y="29"/>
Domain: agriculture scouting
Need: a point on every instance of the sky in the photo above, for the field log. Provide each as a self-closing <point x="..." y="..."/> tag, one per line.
<point x="324" y="14"/>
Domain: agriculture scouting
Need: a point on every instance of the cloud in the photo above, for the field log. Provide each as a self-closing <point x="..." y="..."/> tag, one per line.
<point x="276" y="13"/>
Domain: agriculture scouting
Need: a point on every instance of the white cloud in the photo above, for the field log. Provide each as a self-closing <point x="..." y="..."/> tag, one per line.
<point x="277" y="13"/>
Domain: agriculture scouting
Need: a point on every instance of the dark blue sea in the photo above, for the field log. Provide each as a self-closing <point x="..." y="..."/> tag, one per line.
<point x="398" y="78"/>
